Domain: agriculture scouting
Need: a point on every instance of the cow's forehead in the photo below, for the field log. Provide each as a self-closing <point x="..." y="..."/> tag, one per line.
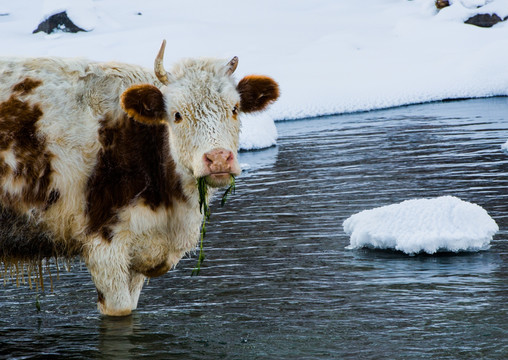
<point x="202" y="81"/>
<point x="199" y="66"/>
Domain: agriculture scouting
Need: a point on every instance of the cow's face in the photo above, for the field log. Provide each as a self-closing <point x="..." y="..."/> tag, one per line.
<point x="201" y="104"/>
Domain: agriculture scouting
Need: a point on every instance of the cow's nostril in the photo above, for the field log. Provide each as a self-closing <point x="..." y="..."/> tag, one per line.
<point x="208" y="159"/>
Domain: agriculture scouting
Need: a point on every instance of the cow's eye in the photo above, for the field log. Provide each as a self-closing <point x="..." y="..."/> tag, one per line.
<point x="178" y="117"/>
<point x="235" y="110"/>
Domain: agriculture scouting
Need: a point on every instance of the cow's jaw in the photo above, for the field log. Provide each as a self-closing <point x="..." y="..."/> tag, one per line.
<point x="219" y="180"/>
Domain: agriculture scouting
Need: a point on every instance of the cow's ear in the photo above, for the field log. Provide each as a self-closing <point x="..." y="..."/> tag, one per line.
<point x="144" y="103"/>
<point x="257" y="92"/>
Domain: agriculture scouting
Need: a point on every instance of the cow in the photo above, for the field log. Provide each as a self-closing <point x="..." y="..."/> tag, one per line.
<point x="101" y="160"/>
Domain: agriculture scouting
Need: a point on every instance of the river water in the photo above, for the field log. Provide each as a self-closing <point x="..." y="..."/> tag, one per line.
<point x="278" y="283"/>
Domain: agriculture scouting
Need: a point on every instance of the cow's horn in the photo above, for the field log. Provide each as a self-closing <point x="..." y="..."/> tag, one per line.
<point x="231" y="66"/>
<point x="161" y="74"/>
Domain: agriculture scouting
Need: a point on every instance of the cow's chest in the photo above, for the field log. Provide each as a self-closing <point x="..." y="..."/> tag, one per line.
<point x="159" y="238"/>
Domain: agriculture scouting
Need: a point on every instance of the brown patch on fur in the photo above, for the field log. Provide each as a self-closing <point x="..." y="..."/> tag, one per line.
<point x="157" y="270"/>
<point x="27" y="86"/>
<point x="53" y="197"/>
<point x="107" y="233"/>
<point x="19" y="135"/>
<point x="22" y="238"/>
<point x="133" y="164"/>
<point x="257" y="92"/>
<point x="100" y="297"/>
<point x="144" y="103"/>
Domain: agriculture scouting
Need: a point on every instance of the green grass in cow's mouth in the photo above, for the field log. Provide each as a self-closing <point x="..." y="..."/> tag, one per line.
<point x="205" y="210"/>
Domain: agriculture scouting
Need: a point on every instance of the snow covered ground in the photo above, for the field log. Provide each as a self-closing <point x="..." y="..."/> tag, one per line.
<point x="328" y="56"/>
<point x="423" y="225"/>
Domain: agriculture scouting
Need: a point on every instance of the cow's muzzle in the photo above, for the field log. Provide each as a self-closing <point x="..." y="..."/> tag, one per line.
<point x="219" y="166"/>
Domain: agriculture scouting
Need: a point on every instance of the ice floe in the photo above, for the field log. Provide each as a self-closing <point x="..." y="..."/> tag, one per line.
<point x="445" y="223"/>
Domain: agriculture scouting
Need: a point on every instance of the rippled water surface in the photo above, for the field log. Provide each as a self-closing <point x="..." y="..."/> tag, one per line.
<point x="278" y="282"/>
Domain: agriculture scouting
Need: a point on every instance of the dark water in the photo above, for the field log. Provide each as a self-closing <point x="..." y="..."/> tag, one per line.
<point x="278" y="282"/>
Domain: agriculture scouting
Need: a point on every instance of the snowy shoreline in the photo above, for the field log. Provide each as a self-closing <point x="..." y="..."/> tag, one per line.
<point x="317" y="116"/>
<point x="348" y="57"/>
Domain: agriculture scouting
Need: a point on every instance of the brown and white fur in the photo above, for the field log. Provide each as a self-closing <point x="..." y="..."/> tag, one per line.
<point x="101" y="160"/>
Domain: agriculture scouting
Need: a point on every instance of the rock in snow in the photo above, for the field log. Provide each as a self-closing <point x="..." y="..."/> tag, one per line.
<point x="423" y="225"/>
<point x="67" y="16"/>
<point x="58" y="22"/>
<point x="482" y="13"/>
<point x="484" y="20"/>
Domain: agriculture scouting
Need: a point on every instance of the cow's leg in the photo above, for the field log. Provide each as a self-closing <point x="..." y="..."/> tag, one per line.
<point x="136" y="284"/>
<point x="108" y="263"/>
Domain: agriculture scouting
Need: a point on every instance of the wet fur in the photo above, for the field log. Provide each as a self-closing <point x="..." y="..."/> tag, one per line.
<point x="81" y="175"/>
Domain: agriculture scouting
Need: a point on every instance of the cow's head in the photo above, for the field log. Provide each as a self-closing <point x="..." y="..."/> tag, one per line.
<point x="201" y="102"/>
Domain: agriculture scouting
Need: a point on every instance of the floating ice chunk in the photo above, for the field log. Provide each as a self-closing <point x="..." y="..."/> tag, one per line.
<point x="504" y="147"/>
<point x="423" y="225"/>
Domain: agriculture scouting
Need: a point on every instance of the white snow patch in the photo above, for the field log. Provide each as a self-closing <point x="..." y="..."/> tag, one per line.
<point x="423" y="225"/>
<point x="258" y="131"/>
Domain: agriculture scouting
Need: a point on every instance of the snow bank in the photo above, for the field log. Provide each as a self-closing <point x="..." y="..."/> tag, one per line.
<point x="329" y="56"/>
<point x="258" y="131"/>
<point x="423" y="225"/>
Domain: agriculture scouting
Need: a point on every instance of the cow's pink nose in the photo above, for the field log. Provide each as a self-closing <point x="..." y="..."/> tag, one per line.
<point x="219" y="161"/>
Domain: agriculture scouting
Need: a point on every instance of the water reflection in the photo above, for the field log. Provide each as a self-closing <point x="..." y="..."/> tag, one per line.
<point x="115" y="336"/>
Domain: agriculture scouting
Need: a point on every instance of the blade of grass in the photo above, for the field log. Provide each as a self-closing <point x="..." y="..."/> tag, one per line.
<point x="205" y="210"/>
<point x="230" y="190"/>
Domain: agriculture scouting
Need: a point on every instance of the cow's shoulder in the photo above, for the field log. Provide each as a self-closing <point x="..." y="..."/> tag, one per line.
<point x="134" y="166"/>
